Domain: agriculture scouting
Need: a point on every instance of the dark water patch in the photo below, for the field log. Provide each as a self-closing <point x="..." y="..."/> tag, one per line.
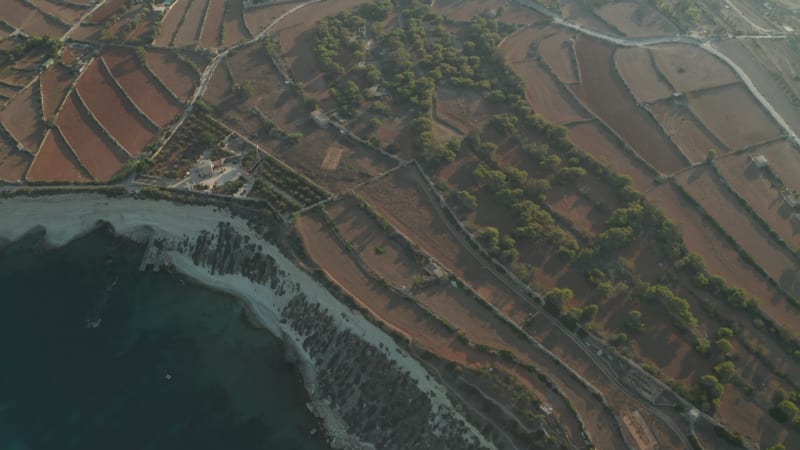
<point x="97" y="355"/>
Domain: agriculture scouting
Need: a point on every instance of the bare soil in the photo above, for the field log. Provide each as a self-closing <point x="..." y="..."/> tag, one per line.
<point x="189" y="31"/>
<point x="55" y="162"/>
<point x="170" y="23"/>
<point x="636" y="19"/>
<point x="22" y="117"/>
<point x="233" y="24"/>
<point x="260" y="17"/>
<point x="55" y="83"/>
<point x="92" y="147"/>
<point x="13" y="163"/>
<point x="605" y="93"/>
<point x="178" y="76"/>
<point x="705" y="187"/>
<point x="147" y="94"/>
<point x="593" y="139"/>
<point x="113" y="111"/>
<point x="784" y="160"/>
<point x="734" y="115"/>
<point x="635" y="66"/>
<point x="556" y="50"/>
<point x="67" y="12"/>
<point x="685" y="131"/>
<point x="210" y="34"/>
<point x="754" y="185"/>
<point x="690" y="68"/>
<point x="388" y="257"/>
<point x="21" y="15"/>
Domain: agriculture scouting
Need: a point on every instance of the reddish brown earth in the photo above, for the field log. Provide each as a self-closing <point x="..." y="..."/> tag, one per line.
<point x="55" y="162"/>
<point x="690" y="68"/>
<point x="21" y="15"/>
<point x="234" y="26"/>
<point x="189" y="31"/>
<point x="705" y="187"/>
<point x="685" y="131"/>
<point x="556" y="51"/>
<point x="13" y="163"/>
<point x="296" y="36"/>
<point x="734" y="115"/>
<point x="594" y="140"/>
<point x="23" y="119"/>
<point x="759" y="62"/>
<point x="93" y="148"/>
<point x="463" y="108"/>
<point x="605" y="93"/>
<point x="178" y="76"/>
<point x="64" y="11"/>
<point x="754" y="185"/>
<point x="394" y="262"/>
<point x="107" y="10"/>
<point x="148" y="95"/>
<point x="209" y="37"/>
<point x="400" y="198"/>
<point x="260" y="17"/>
<point x="170" y="23"/>
<point x="401" y="314"/>
<point x="635" y="66"/>
<point x="542" y="91"/>
<point x="784" y="160"/>
<point x="636" y="19"/>
<point x="113" y="111"/>
<point x="220" y="88"/>
<point x="55" y="83"/>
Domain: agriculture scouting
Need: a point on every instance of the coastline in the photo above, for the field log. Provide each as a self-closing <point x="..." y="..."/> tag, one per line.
<point x="69" y="216"/>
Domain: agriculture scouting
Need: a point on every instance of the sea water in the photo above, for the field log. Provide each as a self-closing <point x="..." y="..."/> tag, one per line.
<point x="97" y="355"/>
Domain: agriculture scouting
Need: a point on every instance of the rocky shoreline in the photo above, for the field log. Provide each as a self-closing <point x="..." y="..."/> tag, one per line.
<point x="368" y="391"/>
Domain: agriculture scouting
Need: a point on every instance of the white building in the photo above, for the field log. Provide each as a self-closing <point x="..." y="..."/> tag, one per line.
<point x="204" y="168"/>
<point x="759" y="161"/>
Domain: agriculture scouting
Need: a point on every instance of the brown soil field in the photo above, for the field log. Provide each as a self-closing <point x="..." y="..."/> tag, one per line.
<point x="107" y="10"/>
<point x="577" y="208"/>
<point x="8" y="91"/>
<point x="260" y="17"/>
<point x="463" y="108"/>
<point x="271" y="96"/>
<point x="148" y="95"/>
<point x="65" y="11"/>
<point x="356" y="165"/>
<point x="400" y="198"/>
<point x="113" y="111"/>
<point x="734" y="115"/>
<point x="478" y="325"/>
<point x="556" y="50"/>
<point x="55" y="162"/>
<point x="581" y="12"/>
<point x="178" y="76"/>
<point x="189" y="31"/>
<point x="233" y="23"/>
<point x="209" y="36"/>
<point x="395" y="263"/>
<point x="22" y="118"/>
<point x="18" y="78"/>
<point x="759" y="73"/>
<point x="686" y="133"/>
<point x="784" y="160"/>
<point x="635" y="66"/>
<point x="605" y="93"/>
<point x="752" y="184"/>
<point x="545" y="96"/>
<point x="329" y="253"/>
<point x="296" y="36"/>
<point x="13" y="164"/>
<point x="603" y="146"/>
<point x="220" y="88"/>
<point x="737" y="411"/>
<point x="21" y="15"/>
<point x="95" y="150"/>
<point x="704" y="186"/>
<point x="636" y="19"/>
<point x="55" y="83"/>
<point x="86" y="32"/>
<point x="170" y="23"/>
<point x="690" y="68"/>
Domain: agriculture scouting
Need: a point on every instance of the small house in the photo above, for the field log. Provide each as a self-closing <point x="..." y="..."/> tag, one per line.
<point x="434" y="270"/>
<point x="759" y="161"/>
<point x="790" y="199"/>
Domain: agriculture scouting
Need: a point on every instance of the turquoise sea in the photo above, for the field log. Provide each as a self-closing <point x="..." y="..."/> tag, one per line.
<point x="170" y="366"/>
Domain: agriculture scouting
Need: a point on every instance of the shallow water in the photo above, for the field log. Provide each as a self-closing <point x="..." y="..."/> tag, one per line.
<point x="170" y="366"/>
